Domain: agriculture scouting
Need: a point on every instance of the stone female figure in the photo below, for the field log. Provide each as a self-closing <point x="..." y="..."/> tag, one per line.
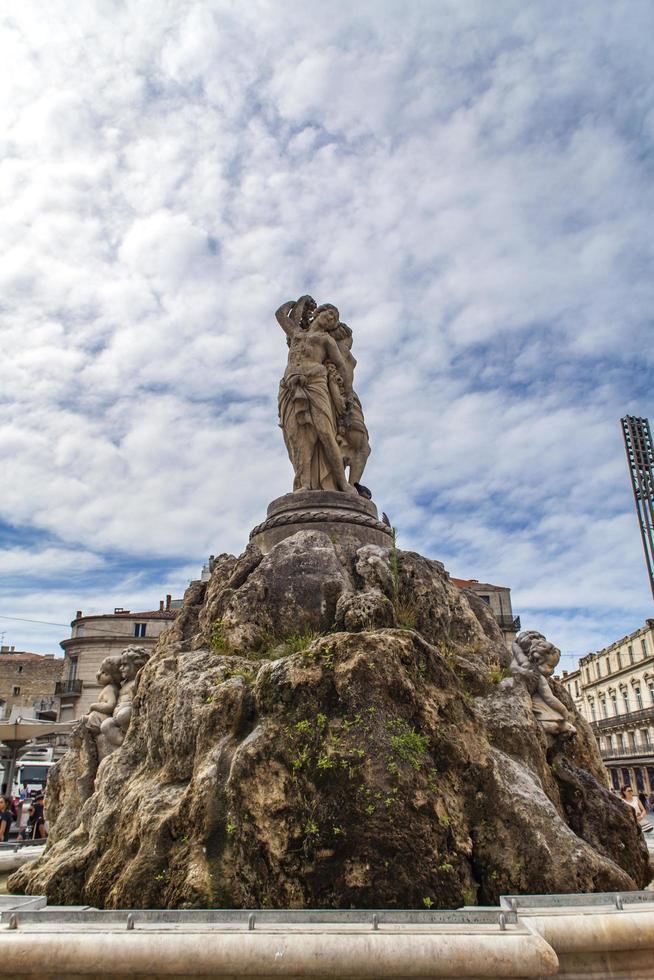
<point x="307" y="411"/>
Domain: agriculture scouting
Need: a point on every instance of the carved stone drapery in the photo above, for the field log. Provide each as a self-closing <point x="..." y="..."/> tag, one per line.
<point x="319" y="412"/>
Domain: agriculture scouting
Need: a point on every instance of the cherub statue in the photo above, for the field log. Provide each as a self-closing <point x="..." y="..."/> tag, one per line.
<point x="109" y="676"/>
<point x="115" y="728"/>
<point x="534" y="659"/>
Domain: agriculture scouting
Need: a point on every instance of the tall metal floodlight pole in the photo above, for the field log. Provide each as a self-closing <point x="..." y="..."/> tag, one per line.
<point x="640" y="456"/>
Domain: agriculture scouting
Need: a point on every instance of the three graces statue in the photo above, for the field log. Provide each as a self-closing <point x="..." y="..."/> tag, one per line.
<point x="319" y="412"/>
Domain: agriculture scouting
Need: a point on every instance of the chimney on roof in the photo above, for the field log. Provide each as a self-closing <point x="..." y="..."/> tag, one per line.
<point x="565" y="673"/>
<point x="48" y="656"/>
<point x="161" y="604"/>
<point x="169" y="599"/>
<point x="78" y="614"/>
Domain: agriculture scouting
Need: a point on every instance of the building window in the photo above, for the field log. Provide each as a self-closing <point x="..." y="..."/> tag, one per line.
<point x="577" y="690"/>
<point x="639" y="698"/>
<point x="615" y="704"/>
<point x="630" y="651"/>
<point x="632" y="740"/>
<point x="72" y="669"/>
<point x="20" y="669"/>
<point x="139" y="629"/>
<point x="625" y="698"/>
<point x="651" y="691"/>
<point x="598" y="669"/>
<point x="618" y="657"/>
<point x="621" y="742"/>
<point x="592" y="710"/>
<point x="485" y="598"/>
<point x="603" y="707"/>
<point x="609" y="742"/>
<point x="15" y="690"/>
<point x="644" y="739"/>
<point x="643" y="647"/>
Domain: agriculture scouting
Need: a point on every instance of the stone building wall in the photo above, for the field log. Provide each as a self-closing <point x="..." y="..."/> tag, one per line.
<point x="26" y="678"/>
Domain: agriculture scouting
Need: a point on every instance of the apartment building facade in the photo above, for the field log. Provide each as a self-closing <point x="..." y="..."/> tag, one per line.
<point x="95" y="637"/>
<point x="498" y="599"/>
<point x="614" y="691"/>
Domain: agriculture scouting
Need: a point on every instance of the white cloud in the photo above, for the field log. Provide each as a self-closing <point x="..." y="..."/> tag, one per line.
<point x="468" y="182"/>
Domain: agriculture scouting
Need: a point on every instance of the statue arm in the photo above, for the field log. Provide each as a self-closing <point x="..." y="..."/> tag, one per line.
<point x="283" y="317"/>
<point x="550" y="699"/>
<point x="108" y="703"/>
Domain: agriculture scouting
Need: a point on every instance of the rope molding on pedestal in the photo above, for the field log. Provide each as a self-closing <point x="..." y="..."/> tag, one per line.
<point x="321" y="516"/>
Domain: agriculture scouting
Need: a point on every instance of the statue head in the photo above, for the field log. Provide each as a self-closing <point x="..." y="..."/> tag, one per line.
<point x="342" y="333"/>
<point x="325" y="317"/>
<point x="131" y="661"/>
<point x="109" y="672"/>
<point x="542" y="654"/>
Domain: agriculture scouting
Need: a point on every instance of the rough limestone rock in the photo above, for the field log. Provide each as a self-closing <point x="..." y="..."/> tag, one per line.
<point x="285" y="750"/>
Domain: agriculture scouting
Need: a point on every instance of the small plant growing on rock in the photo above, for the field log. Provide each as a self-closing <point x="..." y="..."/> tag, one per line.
<point x="218" y="638"/>
<point x="427" y="902"/>
<point x="298" y="642"/>
<point x="407" y="744"/>
<point x="498" y="672"/>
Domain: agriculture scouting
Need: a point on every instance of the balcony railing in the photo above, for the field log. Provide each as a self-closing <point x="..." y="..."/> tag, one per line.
<point x="68" y="687"/>
<point x="629" y="751"/>
<point x="628" y="718"/>
<point x="509" y="623"/>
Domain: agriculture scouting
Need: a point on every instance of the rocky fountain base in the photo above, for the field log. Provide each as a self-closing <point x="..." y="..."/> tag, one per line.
<point x="323" y="727"/>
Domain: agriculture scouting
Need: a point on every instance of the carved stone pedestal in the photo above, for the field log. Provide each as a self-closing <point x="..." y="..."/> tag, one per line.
<point x="347" y="518"/>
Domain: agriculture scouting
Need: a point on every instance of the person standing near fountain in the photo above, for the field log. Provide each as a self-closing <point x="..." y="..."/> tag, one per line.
<point x="6" y="819"/>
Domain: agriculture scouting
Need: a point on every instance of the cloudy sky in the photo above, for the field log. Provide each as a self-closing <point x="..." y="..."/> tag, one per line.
<point x="470" y="182"/>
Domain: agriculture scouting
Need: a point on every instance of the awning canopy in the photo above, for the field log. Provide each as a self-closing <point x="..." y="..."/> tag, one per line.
<point x="27" y="729"/>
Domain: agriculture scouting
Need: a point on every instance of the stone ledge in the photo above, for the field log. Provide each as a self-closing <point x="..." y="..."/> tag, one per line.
<point x="347" y="518"/>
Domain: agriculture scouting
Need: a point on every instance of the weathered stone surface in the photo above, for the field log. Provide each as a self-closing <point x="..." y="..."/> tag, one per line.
<point x="276" y="759"/>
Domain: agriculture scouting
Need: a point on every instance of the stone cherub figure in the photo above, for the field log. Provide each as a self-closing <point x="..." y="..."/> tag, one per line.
<point x="109" y="676"/>
<point x="115" y="728"/>
<point x="320" y="416"/>
<point x="534" y="659"/>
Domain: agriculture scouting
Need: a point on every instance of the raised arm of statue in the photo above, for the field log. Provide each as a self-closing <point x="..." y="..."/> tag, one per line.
<point x="290" y="315"/>
<point x="283" y="317"/>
